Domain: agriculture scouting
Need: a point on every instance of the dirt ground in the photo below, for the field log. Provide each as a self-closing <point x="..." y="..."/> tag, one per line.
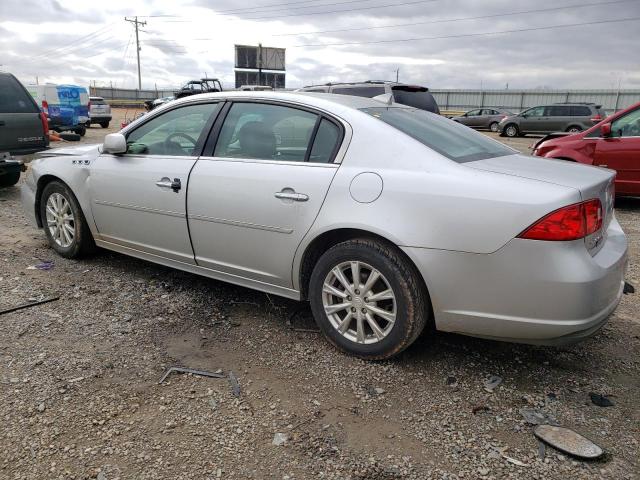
<point x="80" y="395"/>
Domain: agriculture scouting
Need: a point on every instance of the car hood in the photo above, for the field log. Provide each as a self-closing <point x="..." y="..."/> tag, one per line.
<point x="587" y="179"/>
<point x="78" y="150"/>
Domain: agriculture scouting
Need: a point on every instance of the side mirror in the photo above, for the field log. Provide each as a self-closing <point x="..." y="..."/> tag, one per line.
<point x="605" y="129"/>
<point x="114" y="143"/>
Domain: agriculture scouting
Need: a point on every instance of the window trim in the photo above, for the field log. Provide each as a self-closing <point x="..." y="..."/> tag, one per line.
<point x="202" y="139"/>
<point x="214" y="135"/>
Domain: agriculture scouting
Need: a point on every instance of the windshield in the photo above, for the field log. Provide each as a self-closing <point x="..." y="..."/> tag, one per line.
<point x="454" y="141"/>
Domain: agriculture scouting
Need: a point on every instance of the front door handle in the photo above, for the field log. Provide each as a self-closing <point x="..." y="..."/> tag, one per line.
<point x="291" y="195"/>
<point x="165" y="182"/>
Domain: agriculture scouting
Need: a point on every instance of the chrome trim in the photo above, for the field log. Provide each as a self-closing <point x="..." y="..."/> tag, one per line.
<point x="139" y="208"/>
<point x="237" y="223"/>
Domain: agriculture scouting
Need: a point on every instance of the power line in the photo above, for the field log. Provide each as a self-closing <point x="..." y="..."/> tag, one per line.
<point x="403" y="4"/>
<point x="579" y="5"/>
<point x="232" y="10"/>
<point x="292" y="8"/>
<point x="93" y="35"/>
<point x="414" y="39"/>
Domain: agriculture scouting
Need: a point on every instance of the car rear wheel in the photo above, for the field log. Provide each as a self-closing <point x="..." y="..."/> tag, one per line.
<point x="367" y="299"/>
<point x="574" y="129"/>
<point x="9" y="179"/>
<point x="494" y="126"/>
<point x="104" y="124"/>
<point x="64" y="223"/>
<point x="80" y="131"/>
<point x="511" y="130"/>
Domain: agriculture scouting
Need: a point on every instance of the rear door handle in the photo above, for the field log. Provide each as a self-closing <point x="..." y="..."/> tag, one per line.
<point x="165" y="182"/>
<point x="287" y="195"/>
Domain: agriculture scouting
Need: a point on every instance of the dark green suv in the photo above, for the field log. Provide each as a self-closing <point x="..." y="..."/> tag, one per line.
<point x="23" y="128"/>
<point x="559" y="117"/>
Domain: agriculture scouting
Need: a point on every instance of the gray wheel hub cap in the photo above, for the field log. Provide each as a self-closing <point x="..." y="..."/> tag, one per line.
<point x="359" y="302"/>
<point x="60" y="220"/>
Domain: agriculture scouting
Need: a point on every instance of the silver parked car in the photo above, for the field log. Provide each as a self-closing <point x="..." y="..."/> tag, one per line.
<point x="487" y="118"/>
<point x="99" y="112"/>
<point x="388" y="219"/>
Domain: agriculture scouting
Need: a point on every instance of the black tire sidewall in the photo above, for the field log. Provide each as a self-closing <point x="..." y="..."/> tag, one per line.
<point x="75" y="248"/>
<point x="396" y="340"/>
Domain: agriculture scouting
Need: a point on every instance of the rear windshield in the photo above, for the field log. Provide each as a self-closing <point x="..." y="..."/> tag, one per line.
<point x="451" y="139"/>
<point x="369" y="92"/>
<point x="417" y="97"/>
<point x="98" y="101"/>
<point x="14" y="98"/>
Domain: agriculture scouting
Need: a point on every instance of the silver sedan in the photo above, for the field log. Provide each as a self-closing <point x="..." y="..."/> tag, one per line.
<point x="390" y="221"/>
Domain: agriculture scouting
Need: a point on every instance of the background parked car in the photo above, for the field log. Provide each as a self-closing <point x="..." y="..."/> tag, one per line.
<point x="193" y="87"/>
<point x="411" y="95"/>
<point x="559" y="117"/>
<point x="66" y="106"/>
<point x="99" y="112"/>
<point x="488" y="118"/>
<point x="23" y="128"/>
<point x="613" y="143"/>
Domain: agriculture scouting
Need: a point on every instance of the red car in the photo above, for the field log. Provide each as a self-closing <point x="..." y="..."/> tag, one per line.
<point x="613" y="143"/>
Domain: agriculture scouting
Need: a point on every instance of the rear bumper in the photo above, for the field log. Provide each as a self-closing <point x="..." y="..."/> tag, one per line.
<point x="547" y="293"/>
<point x="100" y="117"/>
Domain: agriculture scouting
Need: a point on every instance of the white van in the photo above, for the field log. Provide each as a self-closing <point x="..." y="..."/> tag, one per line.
<point x="66" y="106"/>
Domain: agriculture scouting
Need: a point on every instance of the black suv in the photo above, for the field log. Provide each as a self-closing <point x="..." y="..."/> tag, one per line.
<point x="23" y="128"/>
<point x="411" y="95"/>
<point x="558" y="117"/>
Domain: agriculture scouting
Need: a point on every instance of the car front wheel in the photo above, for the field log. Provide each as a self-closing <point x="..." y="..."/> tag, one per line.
<point x="367" y="299"/>
<point x="574" y="129"/>
<point x="64" y="224"/>
<point x="511" y="130"/>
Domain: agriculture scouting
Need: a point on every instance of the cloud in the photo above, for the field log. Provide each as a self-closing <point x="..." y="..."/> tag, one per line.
<point x="198" y="37"/>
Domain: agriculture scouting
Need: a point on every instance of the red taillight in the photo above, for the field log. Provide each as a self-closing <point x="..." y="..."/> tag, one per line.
<point x="45" y="107"/>
<point x="45" y="123"/>
<point x="596" y="118"/>
<point x="567" y="223"/>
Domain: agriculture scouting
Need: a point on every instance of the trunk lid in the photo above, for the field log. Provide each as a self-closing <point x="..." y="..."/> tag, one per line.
<point x="591" y="182"/>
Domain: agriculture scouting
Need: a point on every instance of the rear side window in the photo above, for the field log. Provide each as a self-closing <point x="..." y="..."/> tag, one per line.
<point x="450" y="139"/>
<point x="368" y="92"/>
<point x="416" y="97"/>
<point x="557" y="111"/>
<point x="14" y="98"/>
<point x="325" y="143"/>
<point x="318" y="90"/>
<point x="580" y="111"/>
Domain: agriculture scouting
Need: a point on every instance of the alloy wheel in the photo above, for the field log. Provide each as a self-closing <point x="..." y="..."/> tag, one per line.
<point x="359" y="302"/>
<point x="60" y="220"/>
<point x="511" y="131"/>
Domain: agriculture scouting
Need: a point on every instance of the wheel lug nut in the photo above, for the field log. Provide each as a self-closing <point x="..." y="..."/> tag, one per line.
<point x="349" y="297"/>
<point x="364" y="310"/>
<point x="353" y="309"/>
<point x="357" y="292"/>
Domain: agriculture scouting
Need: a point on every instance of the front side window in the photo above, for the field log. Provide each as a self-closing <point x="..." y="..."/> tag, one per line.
<point x="627" y="125"/>
<point x="266" y="132"/>
<point x="174" y="133"/>
<point x="451" y="139"/>
<point x="534" y="112"/>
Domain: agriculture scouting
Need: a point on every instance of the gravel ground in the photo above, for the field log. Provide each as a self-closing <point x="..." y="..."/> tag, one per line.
<point x="81" y="398"/>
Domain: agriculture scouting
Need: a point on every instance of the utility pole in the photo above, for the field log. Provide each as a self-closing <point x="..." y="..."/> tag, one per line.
<point x="137" y="22"/>
<point x="259" y="64"/>
<point x="397" y="74"/>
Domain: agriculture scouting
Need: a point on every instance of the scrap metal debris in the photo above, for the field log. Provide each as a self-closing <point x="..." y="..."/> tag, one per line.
<point x="492" y="382"/>
<point x="600" y="400"/>
<point x="542" y="450"/>
<point x="235" y="386"/>
<point x="534" y="416"/>
<point x="27" y="305"/>
<point x="201" y="373"/>
<point x="568" y="441"/>
<point x="628" y="288"/>
<point x="46" y="265"/>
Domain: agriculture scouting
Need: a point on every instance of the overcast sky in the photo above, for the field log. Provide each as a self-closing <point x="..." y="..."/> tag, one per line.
<point x="80" y="41"/>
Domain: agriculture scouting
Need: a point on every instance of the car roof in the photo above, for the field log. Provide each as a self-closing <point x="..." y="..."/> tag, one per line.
<point x="315" y="99"/>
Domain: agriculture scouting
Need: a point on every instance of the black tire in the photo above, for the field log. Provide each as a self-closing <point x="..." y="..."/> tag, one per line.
<point x="411" y="298"/>
<point x="574" y="129"/>
<point x="83" y="243"/>
<point x="9" y="179"/>
<point x="494" y="127"/>
<point x="87" y="124"/>
<point x="511" y="130"/>
<point x="104" y="124"/>
<point x="80" y="131"/>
